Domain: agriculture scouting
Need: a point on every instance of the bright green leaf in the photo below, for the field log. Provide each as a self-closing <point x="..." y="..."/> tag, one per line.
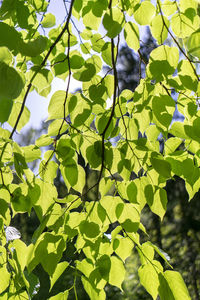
<point x="56" y="106"/>
<point x="49" y="20"/>
<point x="158" y="29"/>
<point x="60" y="268"/>
<point x="131" y="34"/>
<point x="148" y="275"/>
<point x="144" y="13"/>
<point x="177" y="285"/>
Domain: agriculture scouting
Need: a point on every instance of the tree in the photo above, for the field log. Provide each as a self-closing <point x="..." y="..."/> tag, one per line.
<point x="83" y="126"/>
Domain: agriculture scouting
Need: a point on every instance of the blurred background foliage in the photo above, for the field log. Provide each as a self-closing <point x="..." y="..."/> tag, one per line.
<point x="178" y="234"/>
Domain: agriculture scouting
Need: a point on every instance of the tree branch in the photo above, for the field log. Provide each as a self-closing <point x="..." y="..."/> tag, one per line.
<point x="40" y="67"/>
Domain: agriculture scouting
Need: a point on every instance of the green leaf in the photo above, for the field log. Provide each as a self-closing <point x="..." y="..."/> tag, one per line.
<point x="80" y="184"/>
<point x="163" y="109"/>
<point x="60" y="296"/>
<point x="85" y="48"/>
<point x="97" y="42"/>
<point x="5" y="278"/>
<point x="31" y="153"/>
<point x="5" y="213"/>
<point x="148" y="275"/>
<point x="163" y="254"/>
<point x="131" y="35"/>
<point x="184" y="24"/>
<point x="5" y="55"/>
<point x="113" y="22"/>
<point x="161" y="166"/>
<point x="47" y="197"/>
<point x="172" y="144"/>
<point x="146" y="253"/>
<point x="169" y="7"/>
<point x="158" y="204"/>
<point x="106" y="53"/>
<point x="14" y="114"/>
<point x="48" y="251"/>
<point x="152" y="133"/>
<point x="42" y="81"/>
<point x="187" y="75"/>
<point x="10" y="37"/>
<point x="110" y="203"/>
<point x="56" y="106"/>
<point x="60" y="268"/>
<point x="23" y="13"/>
<point x="6" y="106"/>
<point x="122" y="246"/>
<point x="21" y="252"/>
<point x="43" y="140"/>
<point x="193" y="43"/>
<point x="8" y="75"/>
<point x="64" y="149"/>
<point x="71" y="171"/>
<point x="91" y="291"/>
<point x="128" y="216"/>
<point x="188" y="4"/>
<point x="81" y="112"/>
<point x="34" y="47"/>
<point x="111" y="269"/>
<point x="117" y="272"/>
<point x="76" y="60"/>
<point x="177" y="285"/>
<point x="144" y="13"/>
<point x="21" y="201"/>
<point x="106" y="181"/>
<point x="165" y="292"/>
<point x="162" y="62"/>
<point x="91" y="67"/>
<point x="101" y="122"/>
<point x="48" y="172"/>
<point x="49" y="20"/>
<point x="89" y="229"/>
<point x="132" y="192"/>
<point x="158" y="29"/>
<point x="92" y="13"/>
<point x="60" y="66"/>
<point x="57" y="126"/>
<point x="178" y="130"/>
<point x="85" y="266"/>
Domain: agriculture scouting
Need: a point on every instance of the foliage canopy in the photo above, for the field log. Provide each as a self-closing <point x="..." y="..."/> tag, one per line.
<point x="120" y="141"/>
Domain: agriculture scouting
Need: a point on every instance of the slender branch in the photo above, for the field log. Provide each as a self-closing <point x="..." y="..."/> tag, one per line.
<point x="40" y="67"/>
<point x="69" y="79"/>
<point x="115" y="88"/>
<point x="114" y="59"/>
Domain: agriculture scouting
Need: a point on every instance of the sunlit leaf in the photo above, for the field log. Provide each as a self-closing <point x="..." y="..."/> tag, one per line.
<point x="49" y="20"/>
<point x="144" y="13"/>
<point x="131" y="34"/>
